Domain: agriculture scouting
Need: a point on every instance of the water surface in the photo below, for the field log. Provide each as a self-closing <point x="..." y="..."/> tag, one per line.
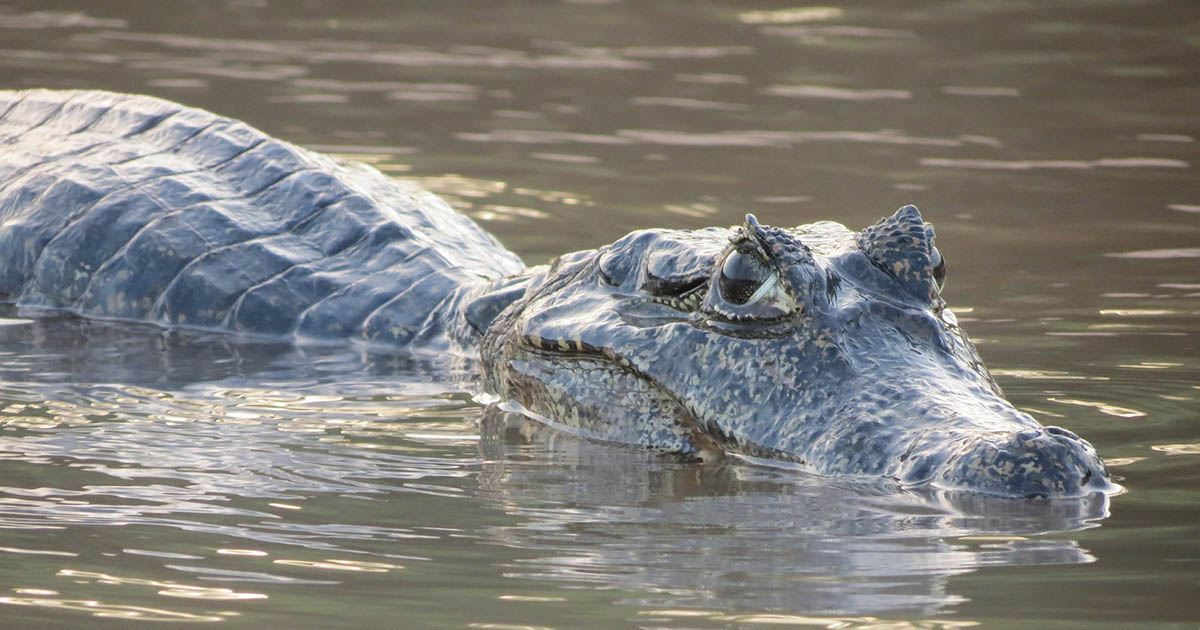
<point x="172" y="476"/>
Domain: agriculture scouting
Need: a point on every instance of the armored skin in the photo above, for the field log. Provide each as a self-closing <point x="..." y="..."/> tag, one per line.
<point x="130" y="207"/>
<point x="815" y="345"/>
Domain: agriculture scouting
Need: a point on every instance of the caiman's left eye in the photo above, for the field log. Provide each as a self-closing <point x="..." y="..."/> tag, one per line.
<point x="742" y="275"/>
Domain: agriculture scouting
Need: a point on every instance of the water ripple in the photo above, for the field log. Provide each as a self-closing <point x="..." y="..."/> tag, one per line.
<point x="863" y="32"/>
<point x="168" y="588"/>
<point x="100" y="609"/>
<point x="985" y="91"/>
<point x="686" y="103"/>
<point x="1026" y="165"/>
<point x="1179" y="252"/>
<point x="334" y="51"/>
<point x="790" y="16"/>
<point x="839" y="94"/>
<point x="56" y="19"/>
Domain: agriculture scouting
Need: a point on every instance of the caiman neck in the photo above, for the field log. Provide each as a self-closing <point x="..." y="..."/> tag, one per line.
<point x="474" y="306"/>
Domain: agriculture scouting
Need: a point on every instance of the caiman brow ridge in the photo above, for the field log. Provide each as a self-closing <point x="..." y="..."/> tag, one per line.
<point x="815" y="345"/>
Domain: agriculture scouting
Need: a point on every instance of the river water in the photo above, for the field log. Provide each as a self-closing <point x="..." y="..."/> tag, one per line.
<point x="151" y="476"/>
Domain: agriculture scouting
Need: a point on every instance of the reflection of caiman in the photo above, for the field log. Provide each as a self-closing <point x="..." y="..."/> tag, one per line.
<point x="836" y="353"/>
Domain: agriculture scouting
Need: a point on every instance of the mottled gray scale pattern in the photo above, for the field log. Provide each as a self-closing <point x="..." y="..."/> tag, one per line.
<point x="136" y="208"/>
<point x="599" y="400"/>
<point x="784" y="247"/>
<point x="902" y="245"/>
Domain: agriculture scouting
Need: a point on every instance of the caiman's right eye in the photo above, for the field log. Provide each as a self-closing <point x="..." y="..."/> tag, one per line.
<point x="741" y="276"/>
<point x="939" y="269"/>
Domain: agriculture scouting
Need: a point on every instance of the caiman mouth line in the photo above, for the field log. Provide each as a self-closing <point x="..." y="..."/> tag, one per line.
<point x="708" y="440"/>
<point x="707" y="446"/>
<point x="567" y="347"/>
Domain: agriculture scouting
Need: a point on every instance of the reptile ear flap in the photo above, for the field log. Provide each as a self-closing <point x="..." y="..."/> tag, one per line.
<point x="902" y="245"/>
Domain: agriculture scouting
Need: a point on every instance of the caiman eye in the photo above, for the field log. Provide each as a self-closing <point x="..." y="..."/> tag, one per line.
<point x="939" y="269"/>
<point x="742" y="274"/>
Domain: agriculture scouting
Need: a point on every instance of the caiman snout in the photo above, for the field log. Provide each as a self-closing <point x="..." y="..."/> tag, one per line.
<point x="1042" y="462"/>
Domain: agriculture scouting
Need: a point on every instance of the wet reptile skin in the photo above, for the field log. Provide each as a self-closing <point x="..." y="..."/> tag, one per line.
<point x="815" y="345"/>
<point x="136" y="208"/>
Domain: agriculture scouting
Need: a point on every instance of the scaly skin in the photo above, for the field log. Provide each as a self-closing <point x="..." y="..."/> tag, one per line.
<point x="130" y="207"/>
<point x="814" y="345"/>
<point x="846" y="361"/>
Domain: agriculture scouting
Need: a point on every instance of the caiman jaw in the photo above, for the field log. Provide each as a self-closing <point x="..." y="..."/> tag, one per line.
<point x="598" y="394"/>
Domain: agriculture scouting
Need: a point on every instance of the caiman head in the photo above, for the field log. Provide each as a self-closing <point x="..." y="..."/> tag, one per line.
<point x="815" y="345"/>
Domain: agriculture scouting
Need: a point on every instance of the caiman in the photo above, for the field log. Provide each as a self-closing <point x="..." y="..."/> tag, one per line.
<point x="828" y="349"/>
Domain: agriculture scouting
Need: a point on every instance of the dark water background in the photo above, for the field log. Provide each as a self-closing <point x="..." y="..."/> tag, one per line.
<point x="180" y="477"/>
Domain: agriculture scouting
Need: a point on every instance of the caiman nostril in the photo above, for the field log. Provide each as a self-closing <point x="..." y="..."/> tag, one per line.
<point x="1086" y="479"/>
<point x="1053" y="430"/>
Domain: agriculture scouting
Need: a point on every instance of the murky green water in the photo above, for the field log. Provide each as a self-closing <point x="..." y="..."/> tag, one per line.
<point x="147" y="476"/>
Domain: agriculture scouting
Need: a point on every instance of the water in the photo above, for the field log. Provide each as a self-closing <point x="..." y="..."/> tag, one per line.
<point x="157" y="476"/>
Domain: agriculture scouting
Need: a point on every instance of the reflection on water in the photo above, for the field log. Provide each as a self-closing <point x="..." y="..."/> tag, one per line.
<point x="168" y="476"/>
<point x="694" y="537"/>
